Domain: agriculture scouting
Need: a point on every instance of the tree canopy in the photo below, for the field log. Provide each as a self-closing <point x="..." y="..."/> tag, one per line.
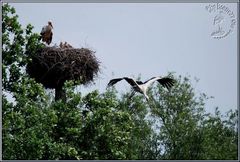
<point x="172" y="125"/>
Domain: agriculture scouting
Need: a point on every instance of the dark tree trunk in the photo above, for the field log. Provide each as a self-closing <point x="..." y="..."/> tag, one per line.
<point x="60" y="94"/>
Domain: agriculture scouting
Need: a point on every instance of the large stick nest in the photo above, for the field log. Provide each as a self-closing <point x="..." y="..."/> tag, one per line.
<point x="52" y="66"/>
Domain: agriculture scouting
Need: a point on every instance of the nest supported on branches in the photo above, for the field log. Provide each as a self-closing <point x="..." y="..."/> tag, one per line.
<point x="52" y="66"/>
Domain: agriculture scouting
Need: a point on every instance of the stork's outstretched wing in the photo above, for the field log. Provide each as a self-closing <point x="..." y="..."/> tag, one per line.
<point x="129" y="80"/>
<point x="166" y="82"/>
<point x="114" y="81"/>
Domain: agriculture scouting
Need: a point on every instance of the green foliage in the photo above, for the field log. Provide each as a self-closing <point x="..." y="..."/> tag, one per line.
<point x="186" y="131"/>
<point x="220" y="136"/>
<point x="173" y="125"/>
<point x="18" y="43"/>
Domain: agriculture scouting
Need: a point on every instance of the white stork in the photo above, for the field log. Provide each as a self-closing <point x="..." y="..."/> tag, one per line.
<point x="46" y="33"/>
<point x="139" y="86"/>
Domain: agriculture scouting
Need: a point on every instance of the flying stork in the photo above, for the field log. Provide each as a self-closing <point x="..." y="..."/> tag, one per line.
<point x="46" y="33"/>
<point x="139" y="86"/>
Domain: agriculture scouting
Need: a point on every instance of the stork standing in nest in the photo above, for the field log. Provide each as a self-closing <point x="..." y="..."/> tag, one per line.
<point x="46" y="33"/>
<point x="139" y="86"/>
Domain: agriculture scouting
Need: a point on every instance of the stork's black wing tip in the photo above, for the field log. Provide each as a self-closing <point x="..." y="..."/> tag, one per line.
<point x="167" y="82"/>
<point x="113" y="81"/>
<point x="109" y="84"/>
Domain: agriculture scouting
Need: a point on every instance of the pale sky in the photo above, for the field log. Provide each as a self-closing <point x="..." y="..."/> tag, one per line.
<point x="150" y="39"/>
